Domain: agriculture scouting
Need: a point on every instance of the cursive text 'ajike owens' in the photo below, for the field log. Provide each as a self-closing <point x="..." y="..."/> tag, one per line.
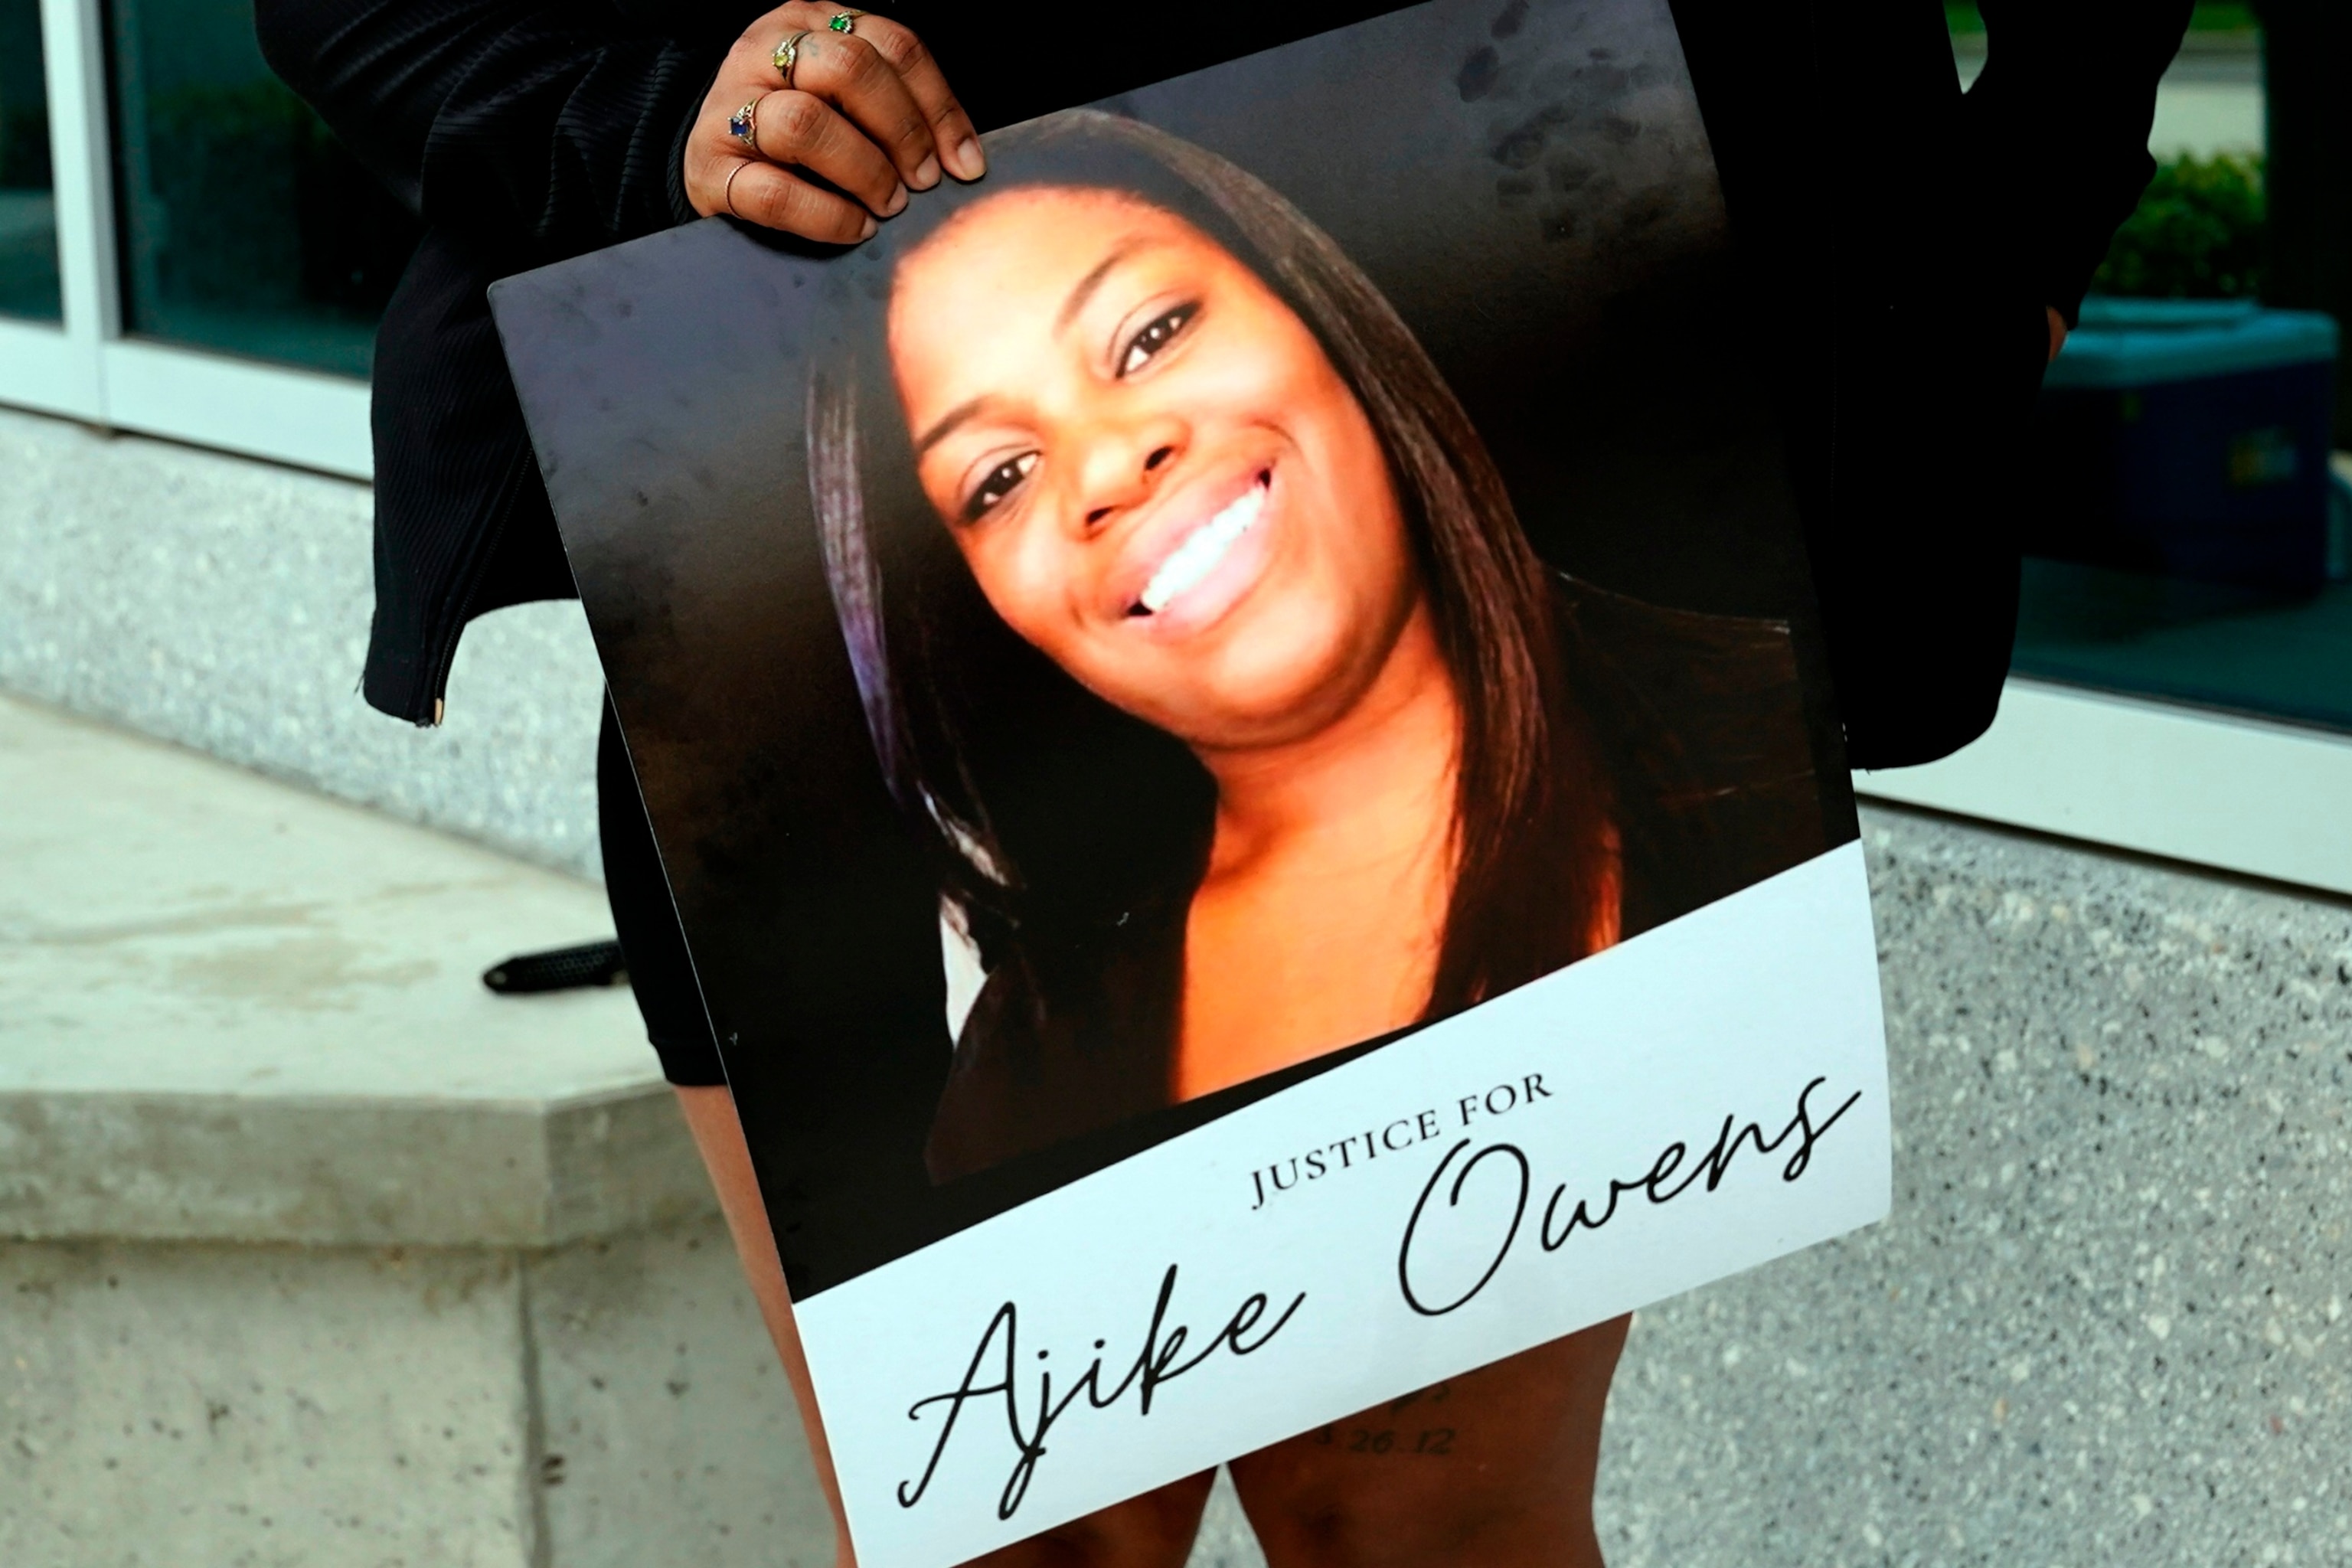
<point x="1654" y="1183"/>
<point x="1155" y="1363"/>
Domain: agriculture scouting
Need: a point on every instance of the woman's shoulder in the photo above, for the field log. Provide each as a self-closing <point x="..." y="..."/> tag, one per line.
<point x="1661" y="644"/>
<point x="1711" y="681"/>
<point x="1039" y="1064"/>
<point x="1702" y="726"/>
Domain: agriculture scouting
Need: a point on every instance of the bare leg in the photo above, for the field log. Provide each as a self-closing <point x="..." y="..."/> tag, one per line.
<point x="1154" y="1530"/>
<point x="719" y="1134"/>
<point x="1493" y="1468"/>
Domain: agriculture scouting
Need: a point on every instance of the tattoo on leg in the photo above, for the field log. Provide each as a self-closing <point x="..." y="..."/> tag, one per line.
<point x="1429" y="1442"/>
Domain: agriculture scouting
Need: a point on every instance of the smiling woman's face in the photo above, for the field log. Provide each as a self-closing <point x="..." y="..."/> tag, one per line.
<point x="1154" y="471"/>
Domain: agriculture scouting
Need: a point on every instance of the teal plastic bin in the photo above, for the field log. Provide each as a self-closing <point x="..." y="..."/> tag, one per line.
<point x="2188" y="438"/>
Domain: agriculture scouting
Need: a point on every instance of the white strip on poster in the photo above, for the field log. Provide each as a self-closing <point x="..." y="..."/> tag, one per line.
<point x="1707" y="1096"/>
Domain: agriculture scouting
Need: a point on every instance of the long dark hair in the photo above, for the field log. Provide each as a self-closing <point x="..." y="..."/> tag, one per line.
<point x="1062" y="826"/>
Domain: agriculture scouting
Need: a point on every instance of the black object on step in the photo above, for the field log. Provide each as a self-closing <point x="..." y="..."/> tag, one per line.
<point x="559" y="969"/>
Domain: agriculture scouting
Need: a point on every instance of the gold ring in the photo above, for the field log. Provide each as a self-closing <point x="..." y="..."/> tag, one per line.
<point x="745" y="126"/>
<point x="727" y="192"/>
<point x="845" y="22"/>
<point x="788" y="54"/>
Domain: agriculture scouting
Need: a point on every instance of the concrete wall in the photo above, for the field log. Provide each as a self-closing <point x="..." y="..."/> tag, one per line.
<point x="2106" y="1322"/>
<point x="612" y="1404"/>
<point x="223" y="603"/>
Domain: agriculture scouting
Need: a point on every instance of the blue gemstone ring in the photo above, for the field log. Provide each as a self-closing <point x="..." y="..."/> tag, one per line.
<point x="745" y="126"/>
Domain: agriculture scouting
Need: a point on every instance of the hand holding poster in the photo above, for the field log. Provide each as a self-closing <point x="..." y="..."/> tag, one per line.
<point x="1232" y="716"/>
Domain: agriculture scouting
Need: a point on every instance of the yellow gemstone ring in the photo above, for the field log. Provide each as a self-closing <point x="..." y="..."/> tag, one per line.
<point x="788" y="54"/>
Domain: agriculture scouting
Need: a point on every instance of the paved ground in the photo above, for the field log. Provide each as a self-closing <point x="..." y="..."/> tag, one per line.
<point x="172" y="924"/>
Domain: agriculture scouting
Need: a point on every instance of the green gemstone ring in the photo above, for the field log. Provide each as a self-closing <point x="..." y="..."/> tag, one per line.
<point x="845" y="21"/>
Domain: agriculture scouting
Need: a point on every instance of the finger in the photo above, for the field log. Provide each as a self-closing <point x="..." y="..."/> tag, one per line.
<point x="799" y="127"/>
<point x="852" y="75"/>
<point x="951" y="127"/>
<point x="762" y="194"/>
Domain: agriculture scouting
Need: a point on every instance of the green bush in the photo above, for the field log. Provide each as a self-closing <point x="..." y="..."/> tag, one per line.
<point x="2196" y="235"/>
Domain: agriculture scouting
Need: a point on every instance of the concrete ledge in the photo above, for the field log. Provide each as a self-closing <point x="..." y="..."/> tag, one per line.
<point x="343" y="1173"/>
<point x="313" y="1251"/>
<point x="249" y="1014"/>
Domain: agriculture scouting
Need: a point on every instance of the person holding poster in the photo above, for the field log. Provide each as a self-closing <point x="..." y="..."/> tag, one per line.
<point x="1343" y="755"/>
<point x="1235" y="725"/>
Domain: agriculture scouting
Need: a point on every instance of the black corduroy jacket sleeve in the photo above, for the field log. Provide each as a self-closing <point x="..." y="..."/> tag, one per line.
<point x="521" y="132"/>
<point x="1903" y="243"/>
<point x="2056" y="131"/>
<point x="549" y="129"/>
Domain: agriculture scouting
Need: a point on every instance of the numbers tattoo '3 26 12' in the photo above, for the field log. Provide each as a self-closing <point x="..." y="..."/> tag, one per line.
<point x="1425" y="1442"/>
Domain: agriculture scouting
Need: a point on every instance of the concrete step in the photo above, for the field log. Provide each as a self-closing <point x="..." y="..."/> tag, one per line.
<point x="313" y="1251"/>
<point x="234" y="1010"/>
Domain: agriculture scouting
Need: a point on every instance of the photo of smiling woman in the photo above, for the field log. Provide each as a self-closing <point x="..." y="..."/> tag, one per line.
<point x="1198" y="638"/>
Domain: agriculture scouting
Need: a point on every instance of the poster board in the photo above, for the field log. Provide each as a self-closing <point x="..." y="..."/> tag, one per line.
<point x="933" y="583"/>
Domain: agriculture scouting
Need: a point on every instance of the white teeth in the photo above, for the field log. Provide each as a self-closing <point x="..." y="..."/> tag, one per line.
<point x="1198" y="554"/>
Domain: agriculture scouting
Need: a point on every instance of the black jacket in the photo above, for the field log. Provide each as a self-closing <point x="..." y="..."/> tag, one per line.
<point x="1901" y="243"/>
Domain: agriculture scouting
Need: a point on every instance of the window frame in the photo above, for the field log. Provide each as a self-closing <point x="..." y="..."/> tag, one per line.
<point x="2242" y="794"/>
<point x="89" y="369"/>
<point x="2261" y="797"/>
